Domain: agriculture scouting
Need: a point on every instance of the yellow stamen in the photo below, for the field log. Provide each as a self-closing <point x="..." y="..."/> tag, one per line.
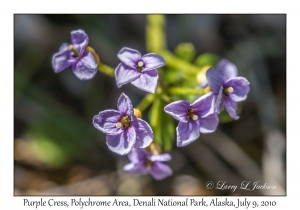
<point x="118" y="125"/>
<point x="140" y="64"/>
<point x="195" y="117"/>
<point x="229" y="90"/>
<point x="191" y="115"/>
<point x="137" y="113"/>
<point x="74" y="51"/>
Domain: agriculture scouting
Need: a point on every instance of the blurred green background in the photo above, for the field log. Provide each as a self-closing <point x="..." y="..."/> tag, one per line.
<point x="57" y="151"/>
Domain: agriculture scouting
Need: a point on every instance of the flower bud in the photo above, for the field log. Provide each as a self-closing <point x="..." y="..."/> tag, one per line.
<point x="201" y="75"/>
<point x="137" y="113"/>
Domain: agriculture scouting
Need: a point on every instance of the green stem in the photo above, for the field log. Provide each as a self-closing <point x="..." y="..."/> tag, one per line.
<point x="179" y="64"/>
<point x="155" y="35"/>
<point x="145" y="102"/>
<point x="106" y="69"/>
<point x="185" y="91"/>
<point x="155" y="120"/>
<point x="166" y="98"/>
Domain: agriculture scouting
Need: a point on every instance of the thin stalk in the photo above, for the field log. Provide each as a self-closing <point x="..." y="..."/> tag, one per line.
<point x="186" y="91"/>
<point x="145" y="102"/>
<point x="106" y="69"/>
<point x="179" y="64"/>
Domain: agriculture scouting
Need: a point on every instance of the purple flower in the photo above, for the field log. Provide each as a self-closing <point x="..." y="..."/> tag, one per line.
<point x="124" y="131"/>
<point x="83" y="62"/>
<point x="198" y="117"/>
<point x="143" y="162"/>
<point x="139" y="70"/>
<point x="230" y="88"/>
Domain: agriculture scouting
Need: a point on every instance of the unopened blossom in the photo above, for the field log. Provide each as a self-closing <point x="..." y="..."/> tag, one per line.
<point x="123" y="130"/>
<point x="75" y="55"/>
<point x="201" y="78"/>
<point x="141" y="71"/>
<point x="143" y="162"/>
<point x="198" y="117"/>
<point x="230" y="88"/>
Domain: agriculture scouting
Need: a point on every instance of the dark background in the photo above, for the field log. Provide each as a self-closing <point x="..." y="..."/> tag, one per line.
<point x="57" y="151"/>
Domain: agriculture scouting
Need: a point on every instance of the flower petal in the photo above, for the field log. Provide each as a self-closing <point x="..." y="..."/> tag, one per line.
<point x="106" y="121"/>
<point x="125" y="74"/>
<point x="204" y="105"/>
<point x="147" y="81"/>
<point x="178" y="110"/>
<point x="209" y="124"/>
<point x="121" y="143"/>
<point x="215" y="79"/>
<point x="129" y="57"/>
<point x="136" y="168"/>
<point x="160" y="171"/>
<point x="64" y="47"/>
<point x="80" y="40"/>
<point x="153" y="61"/>
<point x="187" y="133"/>
<point x="229" y="69"/>
<point x="125" y="106"/>
<point x="144" y="133"/>
<point x="219" y="101"/>
<point x="161" y="157"/>
<point x="62" y="59"/>
<point x="137" y="155"/>
<point x="231" y="107"/>
<point x="85" y="68"/>
<point x="240" y="87"/>
<point x="203" y="84"/>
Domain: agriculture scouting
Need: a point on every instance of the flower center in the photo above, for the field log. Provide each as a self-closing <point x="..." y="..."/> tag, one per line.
<point x="226" y="91"/>
<point x="153" y="149"/>
<point x="125" y="122"/>
<point x="74" y="51"/>
<point x="229" y="90"/>
<point x="191" y="115"/>
<point x="140" y="66"/>
<point x="149" y="164"/>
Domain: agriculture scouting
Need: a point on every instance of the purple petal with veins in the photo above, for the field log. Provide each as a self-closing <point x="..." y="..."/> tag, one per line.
<point x="140" y="71"/>
<point x="153" y="61"/>
<point x="147" y="81"/>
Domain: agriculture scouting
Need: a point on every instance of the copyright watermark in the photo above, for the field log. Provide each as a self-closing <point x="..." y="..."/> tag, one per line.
<point x="245" y="185"/>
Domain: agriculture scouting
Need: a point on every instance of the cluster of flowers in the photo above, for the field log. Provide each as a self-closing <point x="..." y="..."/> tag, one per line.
<point x="126" y="132"/>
